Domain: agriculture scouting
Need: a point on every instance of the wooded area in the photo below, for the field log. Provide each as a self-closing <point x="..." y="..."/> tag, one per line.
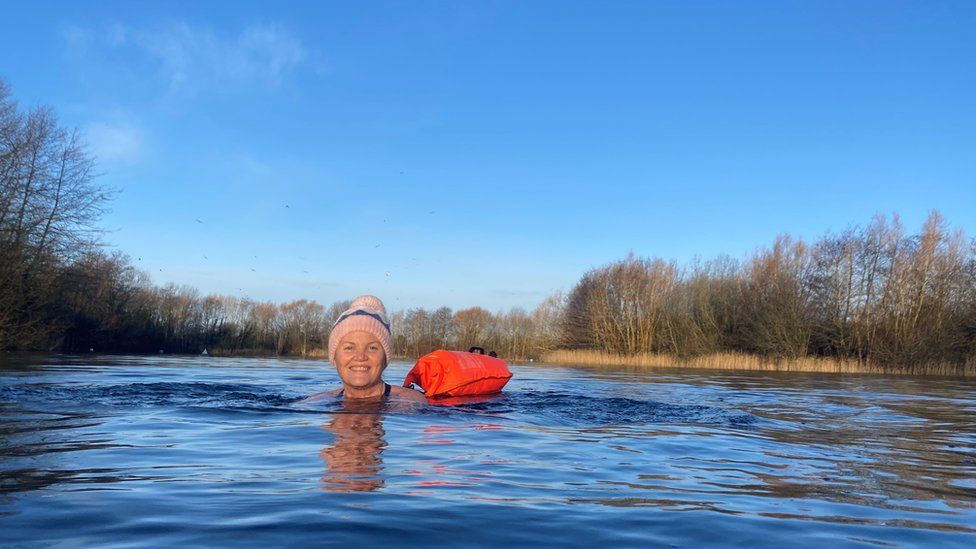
<point x="872" y="294"/>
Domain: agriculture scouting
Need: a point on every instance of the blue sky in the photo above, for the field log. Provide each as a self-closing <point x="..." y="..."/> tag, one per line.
<point x="489" y="153"/>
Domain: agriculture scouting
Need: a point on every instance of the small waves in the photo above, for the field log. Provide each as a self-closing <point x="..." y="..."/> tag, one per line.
<point x="568" y="409"/>
<point x="218" y="451"/>
<point x="158" y="394"/>
<point x="533" y="407"/>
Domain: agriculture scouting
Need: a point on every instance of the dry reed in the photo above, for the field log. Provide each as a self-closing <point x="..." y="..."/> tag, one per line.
<point x="739" y="361"/>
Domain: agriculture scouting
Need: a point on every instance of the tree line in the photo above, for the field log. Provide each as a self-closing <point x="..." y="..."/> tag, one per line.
<point x="105" y="304"/>
<point x="60" y="290"/>
<point x="874" y="294"/>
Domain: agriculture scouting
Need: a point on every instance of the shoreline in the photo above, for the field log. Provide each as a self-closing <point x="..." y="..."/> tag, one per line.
<point x="599" y="359"/>
<point x="746" y="362"/>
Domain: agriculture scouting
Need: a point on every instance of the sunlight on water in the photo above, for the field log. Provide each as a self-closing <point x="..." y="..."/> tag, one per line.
<point x="211" y="451"/>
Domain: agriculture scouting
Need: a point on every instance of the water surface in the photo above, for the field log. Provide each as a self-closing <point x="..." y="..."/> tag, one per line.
<point x="133" y="451"/>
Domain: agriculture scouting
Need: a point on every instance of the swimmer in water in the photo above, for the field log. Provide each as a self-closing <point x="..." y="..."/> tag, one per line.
<point x="359" y="348"/>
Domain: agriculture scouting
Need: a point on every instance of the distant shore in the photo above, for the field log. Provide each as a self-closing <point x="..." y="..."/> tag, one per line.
<point x="591" y="358"/>
<point x="737" y="361"/>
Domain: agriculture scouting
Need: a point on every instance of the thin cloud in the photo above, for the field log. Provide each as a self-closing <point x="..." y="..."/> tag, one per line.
<point x="77" y="39"/>
<point x="192" y="58"/>
<point x="268" y="52"/>
<point x="116" y="142"/>
<point x="253" y="167"/>
<point x="116" y="35"/>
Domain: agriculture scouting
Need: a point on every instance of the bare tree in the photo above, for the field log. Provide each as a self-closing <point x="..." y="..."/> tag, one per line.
<point x="548" y="320"/>
<point x="778" y="300"/>
<point x="472" y="327"/>
<point x="49" y="206"/>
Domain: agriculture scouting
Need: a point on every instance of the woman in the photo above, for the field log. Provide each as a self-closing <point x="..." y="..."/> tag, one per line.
<point x="359" y="348"/>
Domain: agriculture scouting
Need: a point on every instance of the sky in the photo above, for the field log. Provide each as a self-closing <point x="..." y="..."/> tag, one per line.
<point x="489" y="153"/>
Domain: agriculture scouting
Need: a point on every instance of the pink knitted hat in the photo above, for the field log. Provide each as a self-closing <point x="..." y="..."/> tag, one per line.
<point x="366" y="314"/>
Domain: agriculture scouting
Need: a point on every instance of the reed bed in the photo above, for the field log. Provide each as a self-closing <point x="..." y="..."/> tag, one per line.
<point x="740" y="361"/>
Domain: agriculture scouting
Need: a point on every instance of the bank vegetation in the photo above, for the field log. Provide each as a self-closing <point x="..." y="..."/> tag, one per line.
<point x="872" y="298"/>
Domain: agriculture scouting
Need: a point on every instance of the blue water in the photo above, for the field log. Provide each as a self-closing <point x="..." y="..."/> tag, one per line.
<point x="206" y="451"/>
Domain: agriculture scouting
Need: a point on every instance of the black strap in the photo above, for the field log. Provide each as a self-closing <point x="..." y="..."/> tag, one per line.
<point x="386" y="390"/>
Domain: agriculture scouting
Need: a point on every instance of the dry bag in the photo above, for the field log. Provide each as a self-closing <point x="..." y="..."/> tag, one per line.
<point x="456" y="373"/>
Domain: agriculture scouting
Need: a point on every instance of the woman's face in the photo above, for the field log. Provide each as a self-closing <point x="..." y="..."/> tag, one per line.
<point x="360" y="360"/>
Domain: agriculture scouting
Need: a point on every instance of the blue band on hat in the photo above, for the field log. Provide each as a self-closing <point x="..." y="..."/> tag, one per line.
<point x="378" y="317"/>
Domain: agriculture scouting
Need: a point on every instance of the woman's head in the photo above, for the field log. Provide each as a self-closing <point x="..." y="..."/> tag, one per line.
<point x="359" y="344"/>
<point x="365" y="314"/>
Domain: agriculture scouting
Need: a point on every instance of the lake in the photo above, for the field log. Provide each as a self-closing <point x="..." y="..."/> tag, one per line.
<point x="116" y="451"/>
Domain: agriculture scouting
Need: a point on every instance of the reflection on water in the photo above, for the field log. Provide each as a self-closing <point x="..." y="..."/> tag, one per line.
<point x="209" y="451"/>
<point x="353" y="461"/>
<point x="28" y="434"/>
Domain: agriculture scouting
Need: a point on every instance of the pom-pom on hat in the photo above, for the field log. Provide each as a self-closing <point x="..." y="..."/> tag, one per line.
<point x="367" y="314"/>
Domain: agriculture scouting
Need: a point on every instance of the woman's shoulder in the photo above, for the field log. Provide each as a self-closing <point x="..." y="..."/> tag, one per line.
<point x="324" y="395"/>
<point x="405" y="393"/>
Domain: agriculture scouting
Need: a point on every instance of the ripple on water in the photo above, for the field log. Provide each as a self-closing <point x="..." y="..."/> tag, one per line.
<point x="210" y="451"/>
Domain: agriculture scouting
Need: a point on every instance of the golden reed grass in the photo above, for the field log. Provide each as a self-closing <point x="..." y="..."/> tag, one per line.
<point x="738" y="361"/>
<point x="318" y="353"/>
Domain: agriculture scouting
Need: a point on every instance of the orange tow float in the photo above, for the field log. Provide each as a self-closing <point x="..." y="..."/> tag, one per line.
<point x="455" y="373"/>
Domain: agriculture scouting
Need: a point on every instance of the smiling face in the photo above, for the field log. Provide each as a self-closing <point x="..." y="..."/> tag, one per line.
<point x="360" y="361"/>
